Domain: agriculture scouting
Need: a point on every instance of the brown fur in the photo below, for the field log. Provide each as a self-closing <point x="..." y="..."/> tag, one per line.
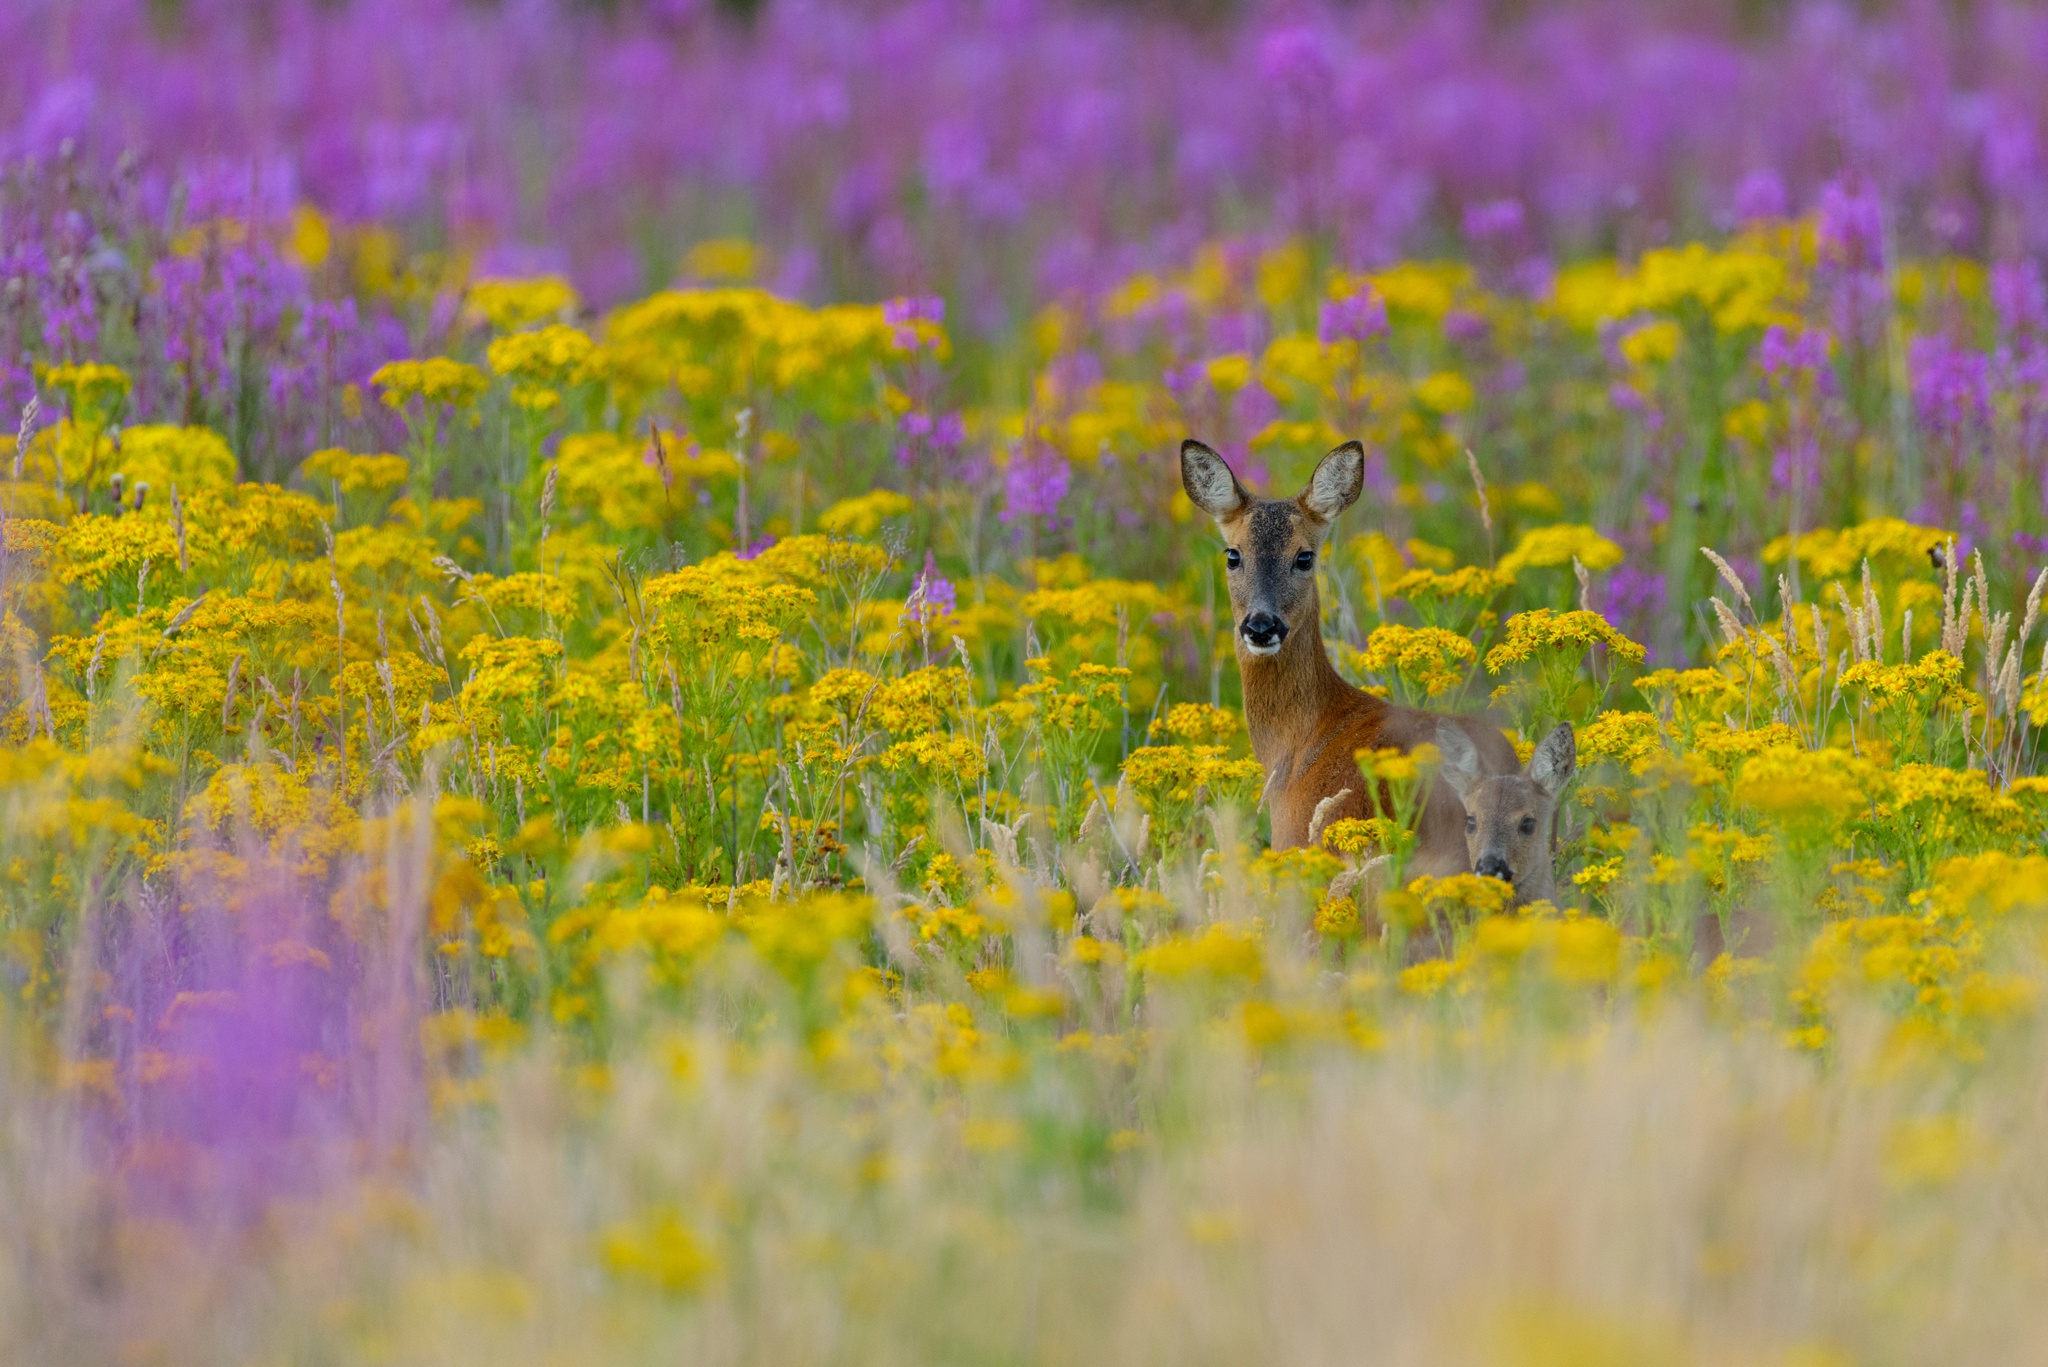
<point x="1306" y="722"/>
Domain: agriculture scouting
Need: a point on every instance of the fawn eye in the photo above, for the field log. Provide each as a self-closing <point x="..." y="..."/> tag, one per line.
<point x="1471" y="824"/>
<point x="1232" y="558"/>
<point x="1305" y="561"/>
<point x="1528" y="826"/>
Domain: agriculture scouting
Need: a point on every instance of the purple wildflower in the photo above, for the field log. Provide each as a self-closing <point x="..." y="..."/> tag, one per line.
<point x="1357" y="317"/>
<point x="932" y="596"/>
<point x="1034" y="483"/>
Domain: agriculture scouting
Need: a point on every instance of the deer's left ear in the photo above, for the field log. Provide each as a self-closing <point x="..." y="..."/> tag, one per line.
<point x="1461" y="768"/>
<point x="1337" y="482"/>
<point x="1555" y="761"/>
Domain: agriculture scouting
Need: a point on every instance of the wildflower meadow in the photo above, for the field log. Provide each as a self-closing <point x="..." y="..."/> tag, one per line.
<point x="619" y="741"/>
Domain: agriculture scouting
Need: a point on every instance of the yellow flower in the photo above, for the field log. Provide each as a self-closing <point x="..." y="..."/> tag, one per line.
<point x="730" y="259"/>
<point x="504" y="670"/>
<point x="1584" y="293"/>
<point x="657" y="1249"/>
<point x="1697" y="695"/>
<point x="1738" y="290"/>
<point x="936" y="755"/>
<point x="1652" y="344"/>
<point x="1545" y="547"/>
<point x="1435" y="586"/>
<point x="161" y="456"/>
<point x="510" y="304"/>
<point x="1807" y="794"/>
<point x="1446" y="392"/>
<point x="1221" y="953"/>
<point x="1360" y="835"/>
<point x="1297" y="359"/>
<point x="357" y="474"/>
<point x="863" y="514"/>
<point x="1934" y="676"/>
<point x="1896" y="545"/>
<point x="95" y="392"/>
<point x="919" y="701"/>
<point x="1196" y="724"/>
<point x="1420" y="291"/>
<point x="1395" y="765"/>
<point x="1283" y="275"/>
<point x="1531" y="633"/>
<point x="1464" y="892"/>
<point x="438" y="380"/>
<point x="1228" y="374"/>
<point x="1380" y="559"/>
<point x="1173" y="775"/>
<point x="1631" y="739"/>
<point x="540" y="362"/>
<point x="311" y="239"/>
<point x="1431" y="660"/>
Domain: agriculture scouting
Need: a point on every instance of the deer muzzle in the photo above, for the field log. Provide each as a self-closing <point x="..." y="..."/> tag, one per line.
<point x="1263" y="633"/>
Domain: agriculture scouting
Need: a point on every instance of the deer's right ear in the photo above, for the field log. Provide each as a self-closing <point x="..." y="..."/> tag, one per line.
<point x="1461" y="768"/>
<point x="1210" y="483"/>
<point x="1555" y="760"/>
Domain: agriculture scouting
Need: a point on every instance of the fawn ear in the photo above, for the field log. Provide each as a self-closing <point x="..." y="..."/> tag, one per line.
<point x="1461" y="767"/>
<point x="1337" y="482"/>
<point x="1555" y="761"/>
<point x="1210" y="483"/>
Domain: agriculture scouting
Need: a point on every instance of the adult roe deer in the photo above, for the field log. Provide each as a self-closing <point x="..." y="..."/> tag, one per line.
<point x="1306" y="722"/>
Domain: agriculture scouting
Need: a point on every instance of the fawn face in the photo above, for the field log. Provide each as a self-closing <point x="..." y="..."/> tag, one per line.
<point x="1510" y="818"/>
<point x="1271" y="545"/>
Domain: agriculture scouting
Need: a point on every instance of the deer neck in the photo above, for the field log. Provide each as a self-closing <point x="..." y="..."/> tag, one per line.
<point x="1286" y="694"/>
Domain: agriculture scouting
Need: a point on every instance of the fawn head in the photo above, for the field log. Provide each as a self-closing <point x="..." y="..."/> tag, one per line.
<point x="1509" y="818"/>
<point x="1271" y="545"/>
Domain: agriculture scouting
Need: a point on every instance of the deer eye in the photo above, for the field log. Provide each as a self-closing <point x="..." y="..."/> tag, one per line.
<point x="1232" y="558"/>
<point x="1471" y="824"/>
<point x="1305" y="561"/>
<point x="1528" y="826"/>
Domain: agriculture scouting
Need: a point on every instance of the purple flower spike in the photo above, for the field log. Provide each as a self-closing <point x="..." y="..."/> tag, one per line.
<point x="1034" y="483"/>
<point x="1358" y="317"/>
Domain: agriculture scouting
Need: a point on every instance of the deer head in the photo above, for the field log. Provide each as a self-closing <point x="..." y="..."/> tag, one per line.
<point x="1271" y="545"/>
<point x="1510" y="818"/>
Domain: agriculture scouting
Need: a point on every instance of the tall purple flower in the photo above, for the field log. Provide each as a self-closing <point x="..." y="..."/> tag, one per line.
<point x="1034" y="482"/>
<point x="1760" y="196"/>
<point x="1355" y="317"/>
<point x="932" y="596"/>
<point x="1951" y="388"/>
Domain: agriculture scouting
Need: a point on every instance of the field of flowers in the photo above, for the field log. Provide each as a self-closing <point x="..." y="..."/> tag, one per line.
<point x="618" y="742"/>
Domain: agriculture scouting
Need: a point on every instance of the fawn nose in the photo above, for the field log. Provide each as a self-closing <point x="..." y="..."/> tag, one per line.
<point x="1264" y="631"/>
<point x="1493" y="866"/>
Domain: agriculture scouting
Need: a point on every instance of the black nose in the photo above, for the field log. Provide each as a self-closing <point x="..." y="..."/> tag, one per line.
<point x="1493" y="866"/>
<point x="1264" y="629"/>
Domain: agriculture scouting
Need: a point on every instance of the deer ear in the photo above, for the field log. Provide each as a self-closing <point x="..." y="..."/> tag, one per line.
<point x="1555" y="761"/>
<point x="1461" y="767"/>
<point x="1210" y="483"/>
<point x="1337" y="482"/>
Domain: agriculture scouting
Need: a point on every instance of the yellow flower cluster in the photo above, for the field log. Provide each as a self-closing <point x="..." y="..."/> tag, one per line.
<point x="1546" y="547"/>
<point x="1736" y="289"/>
<point x="1429" y="661"/>
<point x="1542" y="631"/>
<point x="540" y="363"/>
<point x="1828" y="553"/>
<point x="437" y="380"/>
<point x="510" y="304"/>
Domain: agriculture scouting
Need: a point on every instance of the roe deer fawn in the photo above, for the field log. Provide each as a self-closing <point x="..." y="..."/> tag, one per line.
<point x="1306" y="722"/>
<point x="1511" y="819"/>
